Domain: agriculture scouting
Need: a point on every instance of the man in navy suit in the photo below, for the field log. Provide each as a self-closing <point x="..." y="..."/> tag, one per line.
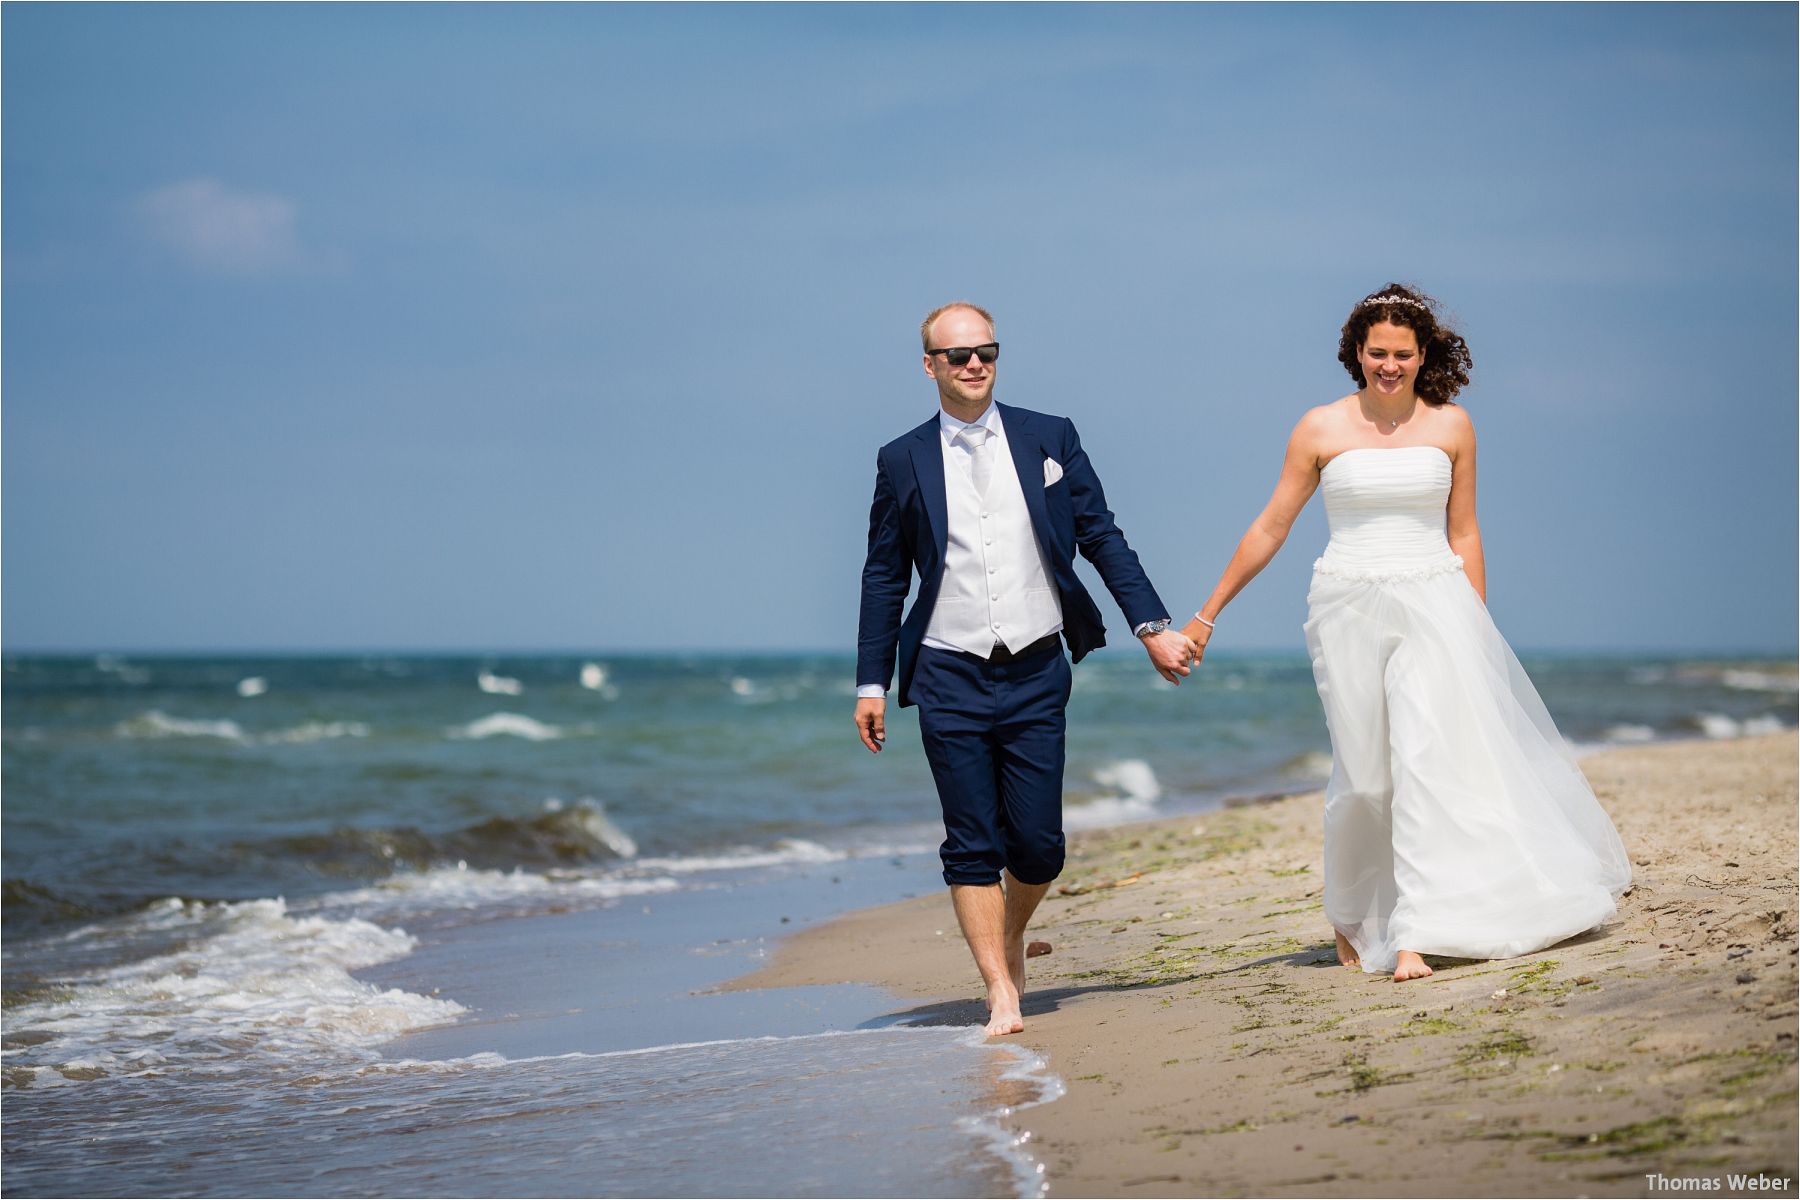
<point x="988" y="504"/>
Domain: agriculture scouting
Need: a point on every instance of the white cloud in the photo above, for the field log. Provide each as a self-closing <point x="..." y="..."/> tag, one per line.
<point x="219" y="230"/>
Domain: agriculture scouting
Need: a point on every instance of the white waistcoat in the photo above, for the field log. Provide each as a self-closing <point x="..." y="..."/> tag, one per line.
<point x="995" y="587"/>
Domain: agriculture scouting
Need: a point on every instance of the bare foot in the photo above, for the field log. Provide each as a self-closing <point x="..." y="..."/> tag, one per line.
<point x="1410" y="966"/>
<point x="1003" y="1011"/>
<point x="1346" y="952"/>
<point x="1015" y="969"/>
<point x="1015" y="966"/>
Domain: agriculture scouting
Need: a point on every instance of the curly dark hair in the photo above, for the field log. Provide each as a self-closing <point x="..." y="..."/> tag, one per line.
<point x="1445" y="371"/>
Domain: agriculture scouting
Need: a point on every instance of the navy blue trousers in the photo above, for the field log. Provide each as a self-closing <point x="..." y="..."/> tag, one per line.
<point x="993" y="734"/>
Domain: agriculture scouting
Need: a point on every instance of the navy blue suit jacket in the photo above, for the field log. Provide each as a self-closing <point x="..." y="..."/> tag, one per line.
<point x="909" y="528"/>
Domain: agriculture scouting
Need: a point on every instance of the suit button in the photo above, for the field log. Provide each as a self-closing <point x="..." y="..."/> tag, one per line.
<point x="993" y="570"/>
<point x="984" y="516"/>
<point x="993" y="597"/>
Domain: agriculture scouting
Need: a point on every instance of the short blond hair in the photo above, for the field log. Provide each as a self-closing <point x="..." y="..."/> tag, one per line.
<point x="940" y="310"/>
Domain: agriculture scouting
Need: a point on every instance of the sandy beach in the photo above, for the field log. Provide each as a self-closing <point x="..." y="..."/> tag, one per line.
<point x="1211" y="1044"/>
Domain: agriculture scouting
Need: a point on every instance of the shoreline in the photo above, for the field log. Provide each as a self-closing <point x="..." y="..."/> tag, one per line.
<point x="1210" y="1044"/>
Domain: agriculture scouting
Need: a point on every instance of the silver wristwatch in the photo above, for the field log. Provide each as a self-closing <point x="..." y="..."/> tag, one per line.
<point x="1152" y="627"/>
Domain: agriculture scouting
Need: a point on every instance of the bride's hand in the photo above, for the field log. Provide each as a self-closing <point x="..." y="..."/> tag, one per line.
<point x="1198" y="634"/>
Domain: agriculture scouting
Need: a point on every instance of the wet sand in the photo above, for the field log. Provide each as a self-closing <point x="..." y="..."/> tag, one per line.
<point x="1212" y="1045"/>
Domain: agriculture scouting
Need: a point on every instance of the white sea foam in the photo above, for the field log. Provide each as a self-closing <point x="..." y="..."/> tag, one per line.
<point x="1311" y="764"/>
<point x="593" y="676"/>
<point x="1758" y="681"/>
<point x="1618" y="735"/>
<point x="126" y="673"/>
<point x="741" y="686"/>
<point x="252" y="685"/>
<point x="1715" y="725"/>
<point x="498" y="685"/>
<point x="158" y="724"/>
<point x="461" y="888"/>
<point x="505" y="724"/>
<point x="1132" y="777"/>
<point x="1032" y="1084"/>
<point x="247" y="978"/>
<point x="317" y="731"/>
<point x="591" y="814"/>
<point x="788" y="850"/>
<point x="1135" y="793"/>
<point x="1107" y="811"/>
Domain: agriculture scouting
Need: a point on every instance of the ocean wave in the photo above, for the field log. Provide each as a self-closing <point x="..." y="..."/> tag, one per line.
<point x="244" y="979"/>
<point x="1132" y="778"/>
<point x="1131" y="795"/>
<point x="1627" y="735"/>
<point x="123" y="671"/>
<point x="495" y="893"/>
<point x="1308" y="764"/>
<point x="498" y="685"/>
<point x="1758" y="681"/>
<point x="158" y="724"/>
<point x="1719" y="726"/>
<point x="316" y="731"/>
<point x="783" y="852"/>
<point x="1026" y="1082"/>
<point x="1107" y="811"/>
<point x="505" y="724"/>
<point x="560" y="835"/>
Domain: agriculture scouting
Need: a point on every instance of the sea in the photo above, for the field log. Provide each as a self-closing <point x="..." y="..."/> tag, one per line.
<point x="386" y="924"/>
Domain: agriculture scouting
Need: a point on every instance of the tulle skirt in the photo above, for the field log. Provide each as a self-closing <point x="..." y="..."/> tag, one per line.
<point x="1456" y="820"/>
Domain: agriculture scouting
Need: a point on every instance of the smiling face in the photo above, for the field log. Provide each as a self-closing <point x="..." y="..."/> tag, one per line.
<point x="966" y="390"/>
<point x="1390" y="359"/>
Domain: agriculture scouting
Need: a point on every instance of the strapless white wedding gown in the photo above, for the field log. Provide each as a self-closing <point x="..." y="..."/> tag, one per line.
<point x="1456" y="821"/>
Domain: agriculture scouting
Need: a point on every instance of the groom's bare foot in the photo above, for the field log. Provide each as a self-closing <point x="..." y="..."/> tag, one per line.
<point x="1409" y="966"/>
<point x="1003" y="1010"/>
<point x="1015" y="966"/>
<point x="1346" y="952"/>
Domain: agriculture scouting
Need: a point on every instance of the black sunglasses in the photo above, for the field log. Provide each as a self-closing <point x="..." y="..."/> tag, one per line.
<point x="958" y="356"/>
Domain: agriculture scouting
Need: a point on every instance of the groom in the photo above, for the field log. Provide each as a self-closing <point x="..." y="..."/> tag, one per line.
<point x="989" y="503"/>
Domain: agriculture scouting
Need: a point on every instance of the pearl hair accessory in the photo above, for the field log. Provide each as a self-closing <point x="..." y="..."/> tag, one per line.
<point x="1391" y="300"/>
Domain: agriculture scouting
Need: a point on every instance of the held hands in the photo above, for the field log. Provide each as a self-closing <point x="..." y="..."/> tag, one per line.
<point x="871" y="721"/>
<point x="1171" y="654"/>
<point x="1199" y="634"/>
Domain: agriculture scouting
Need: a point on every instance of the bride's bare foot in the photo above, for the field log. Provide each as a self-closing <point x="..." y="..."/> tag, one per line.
<point x="1003" y="1010"/>
<point x="1346" y="952"/>
<point x="1409" y="966"/>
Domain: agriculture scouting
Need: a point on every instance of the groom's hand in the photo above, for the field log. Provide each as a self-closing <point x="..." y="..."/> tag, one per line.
<point x="1170" y="653"/>
<point x="871" y="722"/>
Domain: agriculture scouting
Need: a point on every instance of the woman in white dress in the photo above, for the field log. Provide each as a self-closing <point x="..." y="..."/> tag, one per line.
<point x="1456" y="820"/>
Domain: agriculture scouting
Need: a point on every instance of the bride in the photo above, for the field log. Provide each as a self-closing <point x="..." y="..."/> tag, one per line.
<point x="1456" y="821"/>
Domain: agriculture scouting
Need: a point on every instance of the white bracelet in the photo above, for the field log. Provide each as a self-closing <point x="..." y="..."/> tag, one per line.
<point x="1204" y="621"/>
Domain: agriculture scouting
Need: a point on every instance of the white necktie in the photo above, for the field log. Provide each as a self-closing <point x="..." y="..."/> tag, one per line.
<point x="981" y="467"/>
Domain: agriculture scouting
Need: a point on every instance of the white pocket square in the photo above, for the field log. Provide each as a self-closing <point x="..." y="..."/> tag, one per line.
<point x="1052" y="471"/>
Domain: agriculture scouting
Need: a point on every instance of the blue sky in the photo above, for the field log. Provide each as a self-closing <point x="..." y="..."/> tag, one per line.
<point x="490" y="328"/>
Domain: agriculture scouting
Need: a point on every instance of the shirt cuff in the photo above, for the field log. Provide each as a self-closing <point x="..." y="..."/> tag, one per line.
<point x="870" y="691"/>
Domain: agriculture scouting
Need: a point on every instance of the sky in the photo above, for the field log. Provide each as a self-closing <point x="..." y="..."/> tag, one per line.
<point x="505" y="328"/>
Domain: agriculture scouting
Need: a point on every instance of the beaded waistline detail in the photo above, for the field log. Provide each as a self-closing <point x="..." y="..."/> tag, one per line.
<point x="1409" y="575"/>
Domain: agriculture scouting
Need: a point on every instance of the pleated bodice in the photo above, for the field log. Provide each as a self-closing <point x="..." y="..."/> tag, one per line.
<point x="1385" y="506"/>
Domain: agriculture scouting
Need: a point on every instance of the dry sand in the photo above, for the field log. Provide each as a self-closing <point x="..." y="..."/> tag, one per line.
<point x="1212" y="1046"/>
